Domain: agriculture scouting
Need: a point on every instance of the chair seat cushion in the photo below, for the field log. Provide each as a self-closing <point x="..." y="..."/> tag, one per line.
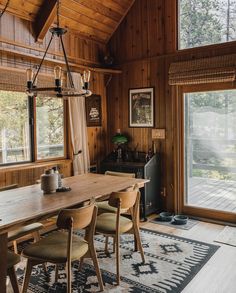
<point x="53" y="248"/>
<point x="106" y="223"/>
<point x="104" y="206"/>
<point x="22" y="231"/>
<point x="12" y="259"/>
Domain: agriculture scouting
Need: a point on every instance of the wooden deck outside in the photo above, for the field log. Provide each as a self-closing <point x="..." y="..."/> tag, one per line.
<point x="212" y="194"/>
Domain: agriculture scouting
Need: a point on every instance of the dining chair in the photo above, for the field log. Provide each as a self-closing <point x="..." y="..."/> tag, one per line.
<point x="114" y="224"/>
<point x="12" y="260"/>
<point x="64" y="247"/>
<point x="103" y="206"/>
<point x="24" y="230"/>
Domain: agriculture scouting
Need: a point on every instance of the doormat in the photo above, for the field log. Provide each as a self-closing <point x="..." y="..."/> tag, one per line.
<point x="190" y="223"/>
<point x="227" y="236"/>
<point x="171" y="262"/>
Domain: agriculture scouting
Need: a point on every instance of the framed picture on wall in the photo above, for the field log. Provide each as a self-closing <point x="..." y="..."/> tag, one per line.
<point x="93" y="110"/>
<point x="141" y="107"/>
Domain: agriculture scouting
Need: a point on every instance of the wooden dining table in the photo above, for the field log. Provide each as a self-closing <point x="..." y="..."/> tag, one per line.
<point x="28" y="204"/>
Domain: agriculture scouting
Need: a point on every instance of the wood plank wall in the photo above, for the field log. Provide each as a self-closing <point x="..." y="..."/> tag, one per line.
<point x="28" y="174"/>
<point x="80" y="50"/>
<point x="144" y="45"/>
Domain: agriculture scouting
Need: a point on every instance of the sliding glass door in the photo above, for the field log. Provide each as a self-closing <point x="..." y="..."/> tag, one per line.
<point x="209" y="152"/>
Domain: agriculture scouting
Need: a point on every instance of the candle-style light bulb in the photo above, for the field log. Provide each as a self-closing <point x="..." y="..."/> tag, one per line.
<point x="57" y="75"/>
<point x="57" y="72"/>
<point x="29" y="76"/>
<point x="86" y="78"/>
<point x="81" y="82"/>
<point x="86" y="75"/>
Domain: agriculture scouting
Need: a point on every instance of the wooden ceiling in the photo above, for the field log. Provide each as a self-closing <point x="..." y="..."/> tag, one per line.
<point x="94" y="19"/>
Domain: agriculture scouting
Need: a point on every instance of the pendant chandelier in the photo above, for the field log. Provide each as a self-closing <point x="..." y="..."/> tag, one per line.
<point x="58" y="89"/>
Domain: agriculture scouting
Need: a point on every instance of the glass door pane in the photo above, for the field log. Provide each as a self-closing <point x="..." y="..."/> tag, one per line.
<point x="210" y="150"/>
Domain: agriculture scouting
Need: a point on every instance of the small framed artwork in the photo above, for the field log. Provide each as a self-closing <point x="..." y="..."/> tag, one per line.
<point x="93" y="110"/>
<point x="141" y="107"/>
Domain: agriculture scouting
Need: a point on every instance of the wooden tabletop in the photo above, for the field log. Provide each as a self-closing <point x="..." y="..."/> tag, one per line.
<point x="27" y="204"/>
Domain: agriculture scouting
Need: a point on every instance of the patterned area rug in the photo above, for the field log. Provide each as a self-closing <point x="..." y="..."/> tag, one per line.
<point x="171" y="263"/>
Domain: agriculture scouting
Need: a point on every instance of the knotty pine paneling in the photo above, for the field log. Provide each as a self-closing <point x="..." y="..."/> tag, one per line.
<point x="144" y="46"/>
<point x="83" y="51"/>
<point x="97" y="136"/>
<point x="77" y="48"/>
<point x="28" y="174"/>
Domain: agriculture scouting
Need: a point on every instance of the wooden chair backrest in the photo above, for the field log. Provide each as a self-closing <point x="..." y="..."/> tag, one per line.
<point x="121" y="174"/>
<point x="80" y="218"/>
<point x="123" y="199"/>
<point x="126" y="200"/>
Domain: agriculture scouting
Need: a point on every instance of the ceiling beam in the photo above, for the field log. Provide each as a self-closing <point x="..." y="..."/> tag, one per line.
<point x="44" y="19"/>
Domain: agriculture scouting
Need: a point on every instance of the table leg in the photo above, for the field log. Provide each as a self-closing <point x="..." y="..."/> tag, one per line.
<point x="3" y="262"/>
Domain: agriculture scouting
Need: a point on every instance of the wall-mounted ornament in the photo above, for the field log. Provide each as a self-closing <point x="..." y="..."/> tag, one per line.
<point x="93" y="110"/>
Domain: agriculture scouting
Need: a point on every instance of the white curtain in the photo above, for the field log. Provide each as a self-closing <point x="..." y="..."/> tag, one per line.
<point x="79" y="137"/>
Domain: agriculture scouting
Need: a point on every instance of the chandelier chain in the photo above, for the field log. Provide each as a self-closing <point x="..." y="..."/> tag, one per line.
<point x="58" y="20"/>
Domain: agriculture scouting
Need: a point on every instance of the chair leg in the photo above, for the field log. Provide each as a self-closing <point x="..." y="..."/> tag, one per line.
<point x="117" y="240"/>
<point x="56" y="273"/>
<point x="96" y="266"/>
<point x="12" y="274"/>
<point x="68" y="273"/>
<point x="114" y="244"/>
<point x="28" y="271"/>
<point x="45" y="268"/>
<point x="81" y="261"/>
<point x="106" y="244"/>
<point x="135" y="243"/>
<point x="139" y="243"/>
<point x="15" y="246"/>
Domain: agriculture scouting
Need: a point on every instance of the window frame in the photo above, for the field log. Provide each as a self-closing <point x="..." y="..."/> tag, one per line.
<point x="33" y="135"/>
<point x="181" y="207"/>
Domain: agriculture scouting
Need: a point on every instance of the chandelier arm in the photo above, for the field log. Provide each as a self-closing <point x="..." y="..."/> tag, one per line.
<point x="67" y="64"/>
<point x="4" y="9"/>
<point x="45" y="53"/>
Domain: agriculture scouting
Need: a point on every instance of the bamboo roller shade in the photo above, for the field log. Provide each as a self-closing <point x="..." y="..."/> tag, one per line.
<point x="204" y="70"/>
<point x="13" y="80"/>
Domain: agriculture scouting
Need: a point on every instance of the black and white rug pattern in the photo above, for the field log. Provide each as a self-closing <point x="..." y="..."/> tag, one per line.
<point x="171" y="262"/>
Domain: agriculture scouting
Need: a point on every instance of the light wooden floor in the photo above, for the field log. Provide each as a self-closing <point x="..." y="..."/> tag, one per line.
<point x="212" y="194"/>
<point x="219" y="273"/>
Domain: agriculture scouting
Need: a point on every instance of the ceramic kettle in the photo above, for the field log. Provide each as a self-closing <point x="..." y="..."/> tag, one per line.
<point x="49" y="181"/>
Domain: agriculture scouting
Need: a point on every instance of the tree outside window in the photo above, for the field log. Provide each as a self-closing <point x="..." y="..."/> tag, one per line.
<point x="205" y="22"/>
<point x="17" y="143"/>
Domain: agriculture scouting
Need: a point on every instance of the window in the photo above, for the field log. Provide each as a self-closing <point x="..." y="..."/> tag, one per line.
<point x="210" y="149"/>
<point x="14" y="128"/>
<point x="18" y="137"/>
<point x="205" y="22"/>
<point x="50" y="130"/>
